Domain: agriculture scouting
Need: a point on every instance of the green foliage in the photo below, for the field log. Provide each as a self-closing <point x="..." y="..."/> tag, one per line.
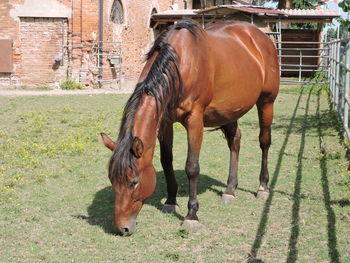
<point x="345" y="5"/>
<point x="345" y="24"/>
<point x="304" y="26"/>
<point x="305" y="4"/>
<point x="70" y="84"/>
<point x="333" y="34"/>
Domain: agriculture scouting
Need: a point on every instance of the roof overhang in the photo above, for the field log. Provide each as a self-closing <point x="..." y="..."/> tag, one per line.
<point x="231" y="9"/>
<point x="170" y="16"/>
<point x="223" y="12"/>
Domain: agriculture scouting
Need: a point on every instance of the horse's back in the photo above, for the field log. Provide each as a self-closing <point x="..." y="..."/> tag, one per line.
<point x="245" y="66"/>
<point x="243" y="48"/>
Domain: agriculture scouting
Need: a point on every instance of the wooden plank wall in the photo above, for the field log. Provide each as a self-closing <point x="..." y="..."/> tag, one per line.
<point x="299" y="35"/>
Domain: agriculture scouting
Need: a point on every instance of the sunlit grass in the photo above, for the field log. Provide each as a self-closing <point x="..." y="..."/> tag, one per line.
<point x="56" y="200"/>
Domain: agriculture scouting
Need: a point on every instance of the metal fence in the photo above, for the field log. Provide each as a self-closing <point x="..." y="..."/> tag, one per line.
<point x="303" y="61"/>
<point x="331" y="59"/>
<point x="339" y="79"/>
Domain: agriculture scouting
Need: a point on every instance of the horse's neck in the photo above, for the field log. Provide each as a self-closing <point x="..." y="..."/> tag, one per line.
<point x="146" y="125"/>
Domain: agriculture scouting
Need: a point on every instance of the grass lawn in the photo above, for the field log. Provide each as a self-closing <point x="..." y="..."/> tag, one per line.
<point x="56" y="201"/>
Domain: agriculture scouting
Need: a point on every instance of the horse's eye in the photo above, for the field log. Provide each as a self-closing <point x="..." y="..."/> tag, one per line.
<point x="134" y="183"/>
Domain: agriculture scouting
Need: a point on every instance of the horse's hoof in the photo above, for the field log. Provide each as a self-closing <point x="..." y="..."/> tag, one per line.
<point x="262" y="194"/>
<point x="226" y="198"/>
<point x="191" y="225"/>
<point x="169" y="209"/>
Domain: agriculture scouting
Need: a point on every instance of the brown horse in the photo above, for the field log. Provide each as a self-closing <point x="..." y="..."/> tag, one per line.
<point x="201" y="79"/>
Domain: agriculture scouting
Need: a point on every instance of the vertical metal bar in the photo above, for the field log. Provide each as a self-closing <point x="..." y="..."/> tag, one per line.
<point x="347" y="88"/>
<point x="328" y="61"/>
<point x="337" y="77"/>
<point x="331" y="68"/>
<point x="280" y="40"/>
<point x="120" y="65"/>
<point x="100" y="42"/>
<point x="62" y="47"/>
<point x="300" y="63"/>
<point x="336" y="71"/>
<point x="333" y="74"/>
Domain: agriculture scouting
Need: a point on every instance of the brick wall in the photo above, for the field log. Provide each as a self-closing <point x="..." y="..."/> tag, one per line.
<point x="38" y="41"/>
<point x="42" y="41"/>
<point x="9" y="30"/>
<point x="136" y="35"/>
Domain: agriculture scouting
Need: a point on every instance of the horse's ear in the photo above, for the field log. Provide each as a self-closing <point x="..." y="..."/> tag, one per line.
<point x="137" y="147"/>
<point x="108" y="142"/>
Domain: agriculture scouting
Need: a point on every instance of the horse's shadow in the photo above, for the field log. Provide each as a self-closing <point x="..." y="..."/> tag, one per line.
<point x="100" y="212"/>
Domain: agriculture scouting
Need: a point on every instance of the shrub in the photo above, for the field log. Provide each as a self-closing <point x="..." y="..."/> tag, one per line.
<point x="70" y="84"/>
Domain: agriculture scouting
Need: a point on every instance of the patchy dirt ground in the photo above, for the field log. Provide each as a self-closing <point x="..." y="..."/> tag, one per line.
<point x="127" y="87"/>
<point x="33" y="92"/>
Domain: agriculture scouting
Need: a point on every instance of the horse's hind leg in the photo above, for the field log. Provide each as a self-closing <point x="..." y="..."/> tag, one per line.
<point x="166" y="158"/>
<point x="265" y="111"/>
<point x="233" y="136"/>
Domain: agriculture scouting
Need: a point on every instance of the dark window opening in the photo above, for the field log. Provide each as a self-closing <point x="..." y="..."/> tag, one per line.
<point x="196" y="4"/>
<point x="117" y="14"/>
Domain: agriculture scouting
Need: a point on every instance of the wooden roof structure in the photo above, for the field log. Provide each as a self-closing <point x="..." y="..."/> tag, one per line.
<point x="224" y="12"/>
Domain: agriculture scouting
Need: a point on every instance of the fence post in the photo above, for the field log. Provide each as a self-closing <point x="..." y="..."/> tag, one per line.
<point x="330" y="77"/>
<point x="347" y="87"/>
<point x="338" y="79"/>
<point x="332" y="70"/>
<point x="328" y="63"/>
<point x="300" y="63"/>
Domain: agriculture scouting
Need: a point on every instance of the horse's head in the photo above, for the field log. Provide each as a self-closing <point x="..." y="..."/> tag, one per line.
<point x="130" y="192"/>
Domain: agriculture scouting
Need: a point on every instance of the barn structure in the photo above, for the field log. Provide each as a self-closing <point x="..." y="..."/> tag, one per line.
<point x="276" y="23"/>
<point x="104" y="42"/>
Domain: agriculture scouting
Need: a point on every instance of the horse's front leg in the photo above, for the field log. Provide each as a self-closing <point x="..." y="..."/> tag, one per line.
<point x="166" y="158"/>
<point x="194" y="127"/>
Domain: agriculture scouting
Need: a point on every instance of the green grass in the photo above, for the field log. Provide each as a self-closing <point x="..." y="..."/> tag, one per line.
<point x="56" y="200"/>
<point x="70" y="84"/>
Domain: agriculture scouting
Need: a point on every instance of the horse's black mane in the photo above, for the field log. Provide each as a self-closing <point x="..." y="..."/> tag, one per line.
<point x="164" y="83"/>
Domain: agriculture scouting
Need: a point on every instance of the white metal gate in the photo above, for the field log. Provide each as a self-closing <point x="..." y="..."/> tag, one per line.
<point x="333" y="63"/>
<point x="339" y="79"/>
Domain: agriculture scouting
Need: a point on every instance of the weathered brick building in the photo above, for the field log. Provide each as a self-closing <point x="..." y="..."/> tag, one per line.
<point x="104" y="42"/>
<point x="44" y="41"/>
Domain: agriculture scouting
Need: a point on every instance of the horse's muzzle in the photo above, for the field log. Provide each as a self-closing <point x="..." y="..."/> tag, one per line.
<point x="126" y="229"/>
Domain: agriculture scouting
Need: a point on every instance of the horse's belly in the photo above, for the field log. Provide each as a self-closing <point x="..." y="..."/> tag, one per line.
<point x="215" y="117"/>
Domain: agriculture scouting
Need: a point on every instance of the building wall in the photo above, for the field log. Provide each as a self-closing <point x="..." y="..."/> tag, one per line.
<point x="135" y="33"/>
<point x="41" y="45"/>
<point x="45" y="30"/>
<point x="9" y="29"/>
